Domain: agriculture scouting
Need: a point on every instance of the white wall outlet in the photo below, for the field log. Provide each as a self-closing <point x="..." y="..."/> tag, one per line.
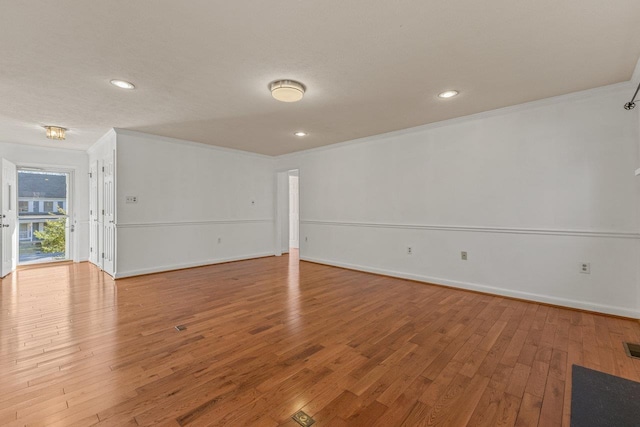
<point x="585" y="267"/>
<point x="463" y="255"/>
<point x="131" y="199"/>
<point x="409" y="250"/>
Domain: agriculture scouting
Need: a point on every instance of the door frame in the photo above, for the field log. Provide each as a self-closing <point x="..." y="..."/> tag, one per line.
<point x="13" y="204"/>
<point x="294" y="243"/>
<point x="94" y="217"/>
<point x="72" y="242"/>
<point x="281" y="210"/>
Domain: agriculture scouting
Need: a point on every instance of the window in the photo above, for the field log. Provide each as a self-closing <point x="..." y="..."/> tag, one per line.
<point x="45" y="192"/>
<point x="25" y="231"/>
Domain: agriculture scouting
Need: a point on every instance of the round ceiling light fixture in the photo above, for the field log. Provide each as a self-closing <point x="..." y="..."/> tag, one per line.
<point x="448" y="94"/>
<point x="122" y="84"/>
<point x="287" y="90"/>
<point x="300" y="134"/>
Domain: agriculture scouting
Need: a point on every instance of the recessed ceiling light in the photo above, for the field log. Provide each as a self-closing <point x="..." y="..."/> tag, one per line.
<point x="55" y="132"/>
<point x="448" y="94"/>
<point x="122" y="84"/>
<point x="287" y="90"/>
<point x="300" y="133"/>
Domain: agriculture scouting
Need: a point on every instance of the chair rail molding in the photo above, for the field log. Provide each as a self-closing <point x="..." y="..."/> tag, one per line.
<point x="479" y="229"/>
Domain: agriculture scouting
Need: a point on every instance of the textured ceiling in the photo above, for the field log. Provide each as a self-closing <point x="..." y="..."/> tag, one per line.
<point x="202" y="67"/>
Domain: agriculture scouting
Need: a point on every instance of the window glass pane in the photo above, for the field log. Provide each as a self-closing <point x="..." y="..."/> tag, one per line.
<point x="42" y="193"/>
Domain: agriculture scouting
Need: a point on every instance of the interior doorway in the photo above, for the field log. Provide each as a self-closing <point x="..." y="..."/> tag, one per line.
<point x="44" y="212"/>
<point x="294" y="210"/>
<point x="287" y="200"/>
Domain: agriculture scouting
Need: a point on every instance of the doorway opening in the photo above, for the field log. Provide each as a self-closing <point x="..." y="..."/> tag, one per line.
<point x="44" y="209"/>
<point x="294" y="210"/>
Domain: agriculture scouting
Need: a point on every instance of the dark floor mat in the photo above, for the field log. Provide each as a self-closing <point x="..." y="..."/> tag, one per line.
<point x="603" y="400"/>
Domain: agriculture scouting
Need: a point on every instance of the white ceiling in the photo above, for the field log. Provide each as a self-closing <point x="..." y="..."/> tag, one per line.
<point x="202" y="67"/>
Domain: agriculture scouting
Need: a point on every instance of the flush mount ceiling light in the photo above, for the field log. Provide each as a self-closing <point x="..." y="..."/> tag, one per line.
<point x="287" y="90"/>
<point x="300" y="134"/>
<point x="55" y="132"/>
<point x="122" y="84"/>
<point x="448" y="94"/>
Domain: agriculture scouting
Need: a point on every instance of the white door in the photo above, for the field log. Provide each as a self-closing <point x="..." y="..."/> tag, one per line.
<point x="109" y="205"/>
<point x="294" y="216"/>
<point x="93" y="214"/>
<point x="9" y="213"/>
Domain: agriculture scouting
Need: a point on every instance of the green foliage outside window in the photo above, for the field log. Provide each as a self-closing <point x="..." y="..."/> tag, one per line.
<point x="54" y="233"/>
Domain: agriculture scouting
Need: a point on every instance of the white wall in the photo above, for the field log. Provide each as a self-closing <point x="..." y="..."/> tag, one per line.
<point x="529" y="192"/>
<point x="77" y="161"/>
<point x="189" y="196"/>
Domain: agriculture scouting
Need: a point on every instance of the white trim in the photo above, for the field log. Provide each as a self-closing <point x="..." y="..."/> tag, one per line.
<point x="163" y="268"/>
<point x="95" y="145"/>
<point x="192" y="223"/>
<point x="583" y="305"/>
<point x="551" y="232"/>
<point x="183" y="142"/>
<point x="621" y="88"/>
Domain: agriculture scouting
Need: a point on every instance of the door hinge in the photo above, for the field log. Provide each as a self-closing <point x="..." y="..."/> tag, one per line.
<point x="90" y="249"/>
<point x="102" y="211"/>
<point x="102" y="254"/>
<point x="90" y="212"/>
<point x="103" y="169"/>
<point x="90" y="175"/>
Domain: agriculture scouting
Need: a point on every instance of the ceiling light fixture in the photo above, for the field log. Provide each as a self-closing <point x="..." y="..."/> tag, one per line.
<point x="55" y="132"/>
<point x="300" y="134"/>
<point x="448" y="94"/>
<point x="287" y="90"/>
<point x="122" y="84"/>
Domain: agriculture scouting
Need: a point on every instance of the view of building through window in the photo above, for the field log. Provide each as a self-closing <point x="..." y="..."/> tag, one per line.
<point x="42" y="216"/>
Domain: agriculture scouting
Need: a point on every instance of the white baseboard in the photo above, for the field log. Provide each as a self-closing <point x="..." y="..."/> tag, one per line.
<point x="583" y="305"/>
<point x="162" y="268"/>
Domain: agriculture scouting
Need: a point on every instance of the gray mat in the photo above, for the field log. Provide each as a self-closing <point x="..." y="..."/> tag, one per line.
<point x="603" y="400"/>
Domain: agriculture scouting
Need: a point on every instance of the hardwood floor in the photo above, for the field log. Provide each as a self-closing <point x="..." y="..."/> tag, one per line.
<point x="268" y="337"/>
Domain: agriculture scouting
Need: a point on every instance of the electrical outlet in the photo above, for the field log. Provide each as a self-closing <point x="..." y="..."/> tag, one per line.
<point x="585" y="267"/>
<point x="409" y="250"/>
<point x="219" y="240"/>
<point x="131" y="199"/>
<point x="463" y="255"/>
